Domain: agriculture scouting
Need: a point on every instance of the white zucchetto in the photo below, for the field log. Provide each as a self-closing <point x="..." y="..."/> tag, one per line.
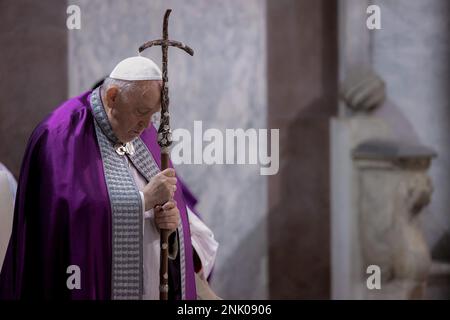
<point x="136" y="68"/>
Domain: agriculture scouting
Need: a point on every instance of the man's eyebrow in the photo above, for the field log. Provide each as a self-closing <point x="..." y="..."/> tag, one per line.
<point x="143" y="109"/>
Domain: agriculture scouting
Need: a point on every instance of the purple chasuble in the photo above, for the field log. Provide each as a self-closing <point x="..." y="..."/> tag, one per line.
<point x="63" y="214"/>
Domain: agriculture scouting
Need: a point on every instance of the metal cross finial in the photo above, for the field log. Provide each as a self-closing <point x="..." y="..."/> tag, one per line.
<point x="164" y="134"/>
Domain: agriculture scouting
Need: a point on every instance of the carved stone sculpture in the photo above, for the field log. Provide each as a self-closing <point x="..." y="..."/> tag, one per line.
<point x="393" y="189"/>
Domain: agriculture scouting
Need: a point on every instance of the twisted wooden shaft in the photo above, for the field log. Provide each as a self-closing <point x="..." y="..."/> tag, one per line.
<point x="164" y="242"/>
<point x="165" y="142"/>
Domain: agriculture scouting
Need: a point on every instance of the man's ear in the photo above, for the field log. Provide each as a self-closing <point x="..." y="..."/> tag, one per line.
<point x="111" y="96"/>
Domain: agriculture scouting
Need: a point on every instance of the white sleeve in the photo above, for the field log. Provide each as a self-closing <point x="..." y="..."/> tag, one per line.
<point x="149" y="213"/>
<point x="203" y="242"/>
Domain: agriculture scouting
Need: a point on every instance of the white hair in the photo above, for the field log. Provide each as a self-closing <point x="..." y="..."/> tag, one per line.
<point x="125" y="87"/>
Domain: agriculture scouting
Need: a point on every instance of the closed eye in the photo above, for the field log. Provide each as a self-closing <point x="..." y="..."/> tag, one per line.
<point x="143" y="112"/>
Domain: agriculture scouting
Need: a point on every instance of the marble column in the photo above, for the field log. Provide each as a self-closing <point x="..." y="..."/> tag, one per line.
<point x="302" y="93"/>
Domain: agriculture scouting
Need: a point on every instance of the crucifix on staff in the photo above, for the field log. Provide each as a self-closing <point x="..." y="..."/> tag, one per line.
<point x="165" y="137"/>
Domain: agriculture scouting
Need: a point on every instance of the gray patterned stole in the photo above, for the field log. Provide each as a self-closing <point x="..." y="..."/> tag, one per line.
<point x="126" y="205"/>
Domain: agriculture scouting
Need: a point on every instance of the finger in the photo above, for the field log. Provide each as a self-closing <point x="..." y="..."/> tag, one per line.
<point x="168" y="226"/>
<point x="169" y="172"/>
<point x="172" y="190"/>
<point x="168" y="213"/>
<point x="159" y="214"/>
<point x="163" y="220"/>
<point x="171" y="181"/>
<point x="171" y="212"/>
<point x="169" y="205"/>
<point x="165" y="215"/>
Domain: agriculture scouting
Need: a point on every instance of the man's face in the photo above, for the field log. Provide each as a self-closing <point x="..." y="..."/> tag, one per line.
<point x="130" y="112"/>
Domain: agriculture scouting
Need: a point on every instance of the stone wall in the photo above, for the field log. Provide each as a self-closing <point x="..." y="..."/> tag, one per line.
<point x="33" y="72"/>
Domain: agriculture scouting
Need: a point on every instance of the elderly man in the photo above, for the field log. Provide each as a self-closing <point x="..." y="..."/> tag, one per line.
<point x="91" y="201"/>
